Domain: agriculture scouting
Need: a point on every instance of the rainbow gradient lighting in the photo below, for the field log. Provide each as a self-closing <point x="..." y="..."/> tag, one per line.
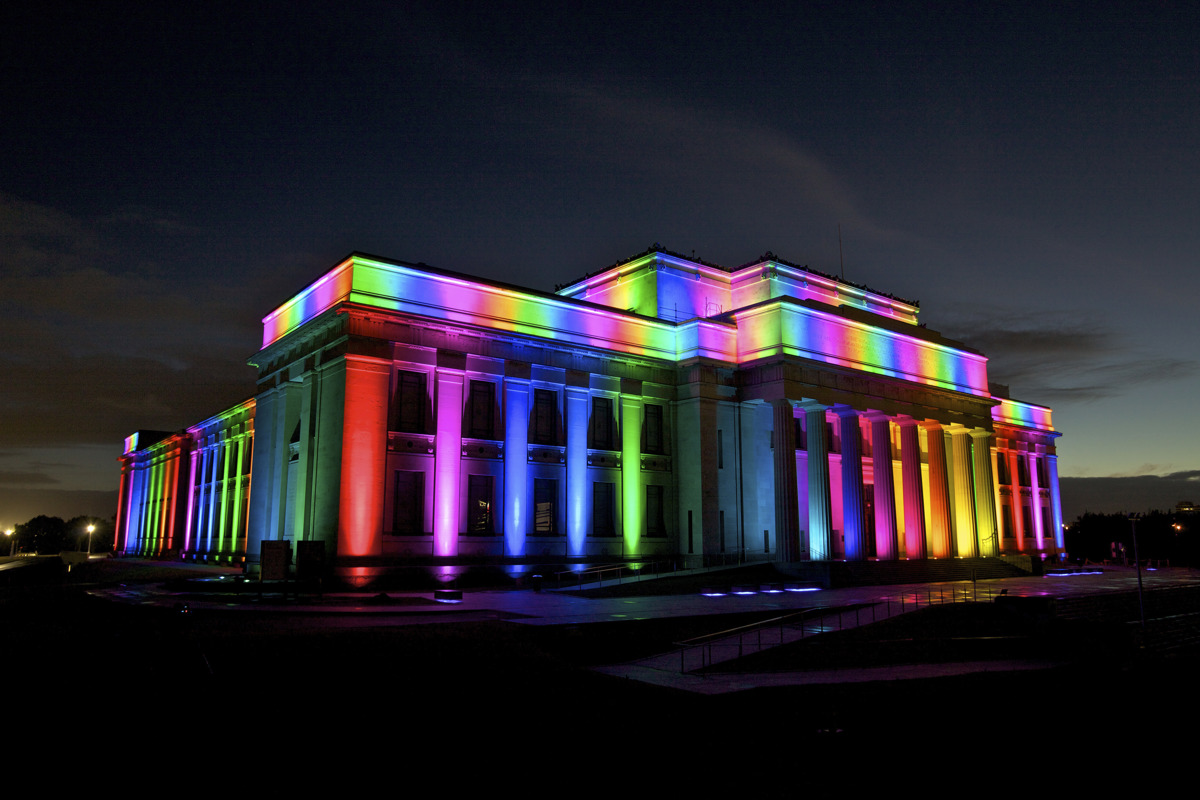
<point x="778" y="326"/>
<point x="1025" y="415"/>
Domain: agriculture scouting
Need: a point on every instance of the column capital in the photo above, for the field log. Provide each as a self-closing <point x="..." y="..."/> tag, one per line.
<point x="845" y="412"/>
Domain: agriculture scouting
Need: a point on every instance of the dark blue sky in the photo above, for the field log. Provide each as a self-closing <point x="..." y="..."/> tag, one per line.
<point x="169" y="175"/>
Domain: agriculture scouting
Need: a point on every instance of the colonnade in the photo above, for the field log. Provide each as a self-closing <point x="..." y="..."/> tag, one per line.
<point x="945" y="505"/>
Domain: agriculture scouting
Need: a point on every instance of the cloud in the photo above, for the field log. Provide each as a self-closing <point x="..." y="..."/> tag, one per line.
<point x="19" y="478"/>
<point x="99" y="341"/>
<point x="1059" y="356"/>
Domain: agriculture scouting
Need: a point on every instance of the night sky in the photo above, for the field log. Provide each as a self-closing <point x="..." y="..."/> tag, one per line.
<point x="169" y="174"/>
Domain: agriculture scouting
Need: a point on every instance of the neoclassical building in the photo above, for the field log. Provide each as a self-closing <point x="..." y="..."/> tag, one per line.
<point x="661" y="407"/>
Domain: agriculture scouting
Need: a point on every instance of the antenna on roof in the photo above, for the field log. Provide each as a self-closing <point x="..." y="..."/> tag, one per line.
<point x="841" y="261"/>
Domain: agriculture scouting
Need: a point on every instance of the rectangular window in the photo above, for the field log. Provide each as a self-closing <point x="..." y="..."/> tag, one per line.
<point x="602" y="423"/>
<point x="1010" y="532"/>
<point x="654" y="428"/>
<point x="656" y="524"/>
<point x="481" y="414"/>
<point x="1043" y="478"/>
<point x="603" y="523"/>
<point x="408" y="503"/>
<point x="545" y="507"/>
<point x="1023" y="470"/>
<point x="1002" y="476"/>
<point x="799" y="429"/>
<point x="545" y="417"/>
<point x="479" y="505"/>
<point x="720" y="449"/>
<point x="411" y="399"/>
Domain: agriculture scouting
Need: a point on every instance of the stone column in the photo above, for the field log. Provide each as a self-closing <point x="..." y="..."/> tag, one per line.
<point x="516" y="463"/>
<point x="854" y="523"/>
<point x="820" y="519"/>
<point x="1060" y="542"/>
<point x="914" y="495"/>
<point x="1016" y="498"/>
<point x="985" y="493"/>
<point x="886" y="546"/>
<point x="939" y="492"/>
<point x="447" y="459"/>
<point x="578" y="490"/>
<point x="787" y="511"/>
<point x="964" y="494"/>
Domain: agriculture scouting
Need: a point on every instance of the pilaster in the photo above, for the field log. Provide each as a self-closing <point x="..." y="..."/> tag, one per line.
<point x="632" y="493"/>
<point x="447" y="460"/>
<point x="516" y="461"/>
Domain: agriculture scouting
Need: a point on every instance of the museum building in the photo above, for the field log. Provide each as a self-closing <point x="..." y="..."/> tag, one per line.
<point x="663" y="407"/>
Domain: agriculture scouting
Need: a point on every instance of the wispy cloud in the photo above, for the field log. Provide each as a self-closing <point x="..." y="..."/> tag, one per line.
<point x="1058" y="356"/>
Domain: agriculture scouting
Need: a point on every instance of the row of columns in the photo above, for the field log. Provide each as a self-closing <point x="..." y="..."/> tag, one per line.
<point x="1043" y="539"/>
<point x="962" y="512"/>
<point x="215" y="516"/>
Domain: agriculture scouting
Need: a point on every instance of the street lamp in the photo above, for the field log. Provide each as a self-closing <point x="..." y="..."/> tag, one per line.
<point x="12" y="543"/>
<point x="90" y="529"/>
<point x="1133" y="518"/>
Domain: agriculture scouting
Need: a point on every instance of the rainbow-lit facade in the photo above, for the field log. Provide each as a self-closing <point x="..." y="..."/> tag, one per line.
<point x="663" y="407"/>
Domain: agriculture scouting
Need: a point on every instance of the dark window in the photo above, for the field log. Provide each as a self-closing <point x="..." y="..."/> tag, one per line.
<point x="545" y="507"/>
<point x="833" y="438"/>
<point x="602" y="423"/>
<point x="1023" y="470"/>
<point x="602" y="510"/>
<point x="479" y="505"/>
<point x="411" y="399"/>
<point x="656" y="525"/>
<point x="720" y="449"/>
<point x="1002" y="476"/>
<point x="408" y="503"/>
<point x="481" y="415"/>
<point x="654" y="429"/>
<point x="1009" y="531"/>
<point x="1043" y="478"/>
<point x="545" y="417"/>
<point x="799" y="429"/>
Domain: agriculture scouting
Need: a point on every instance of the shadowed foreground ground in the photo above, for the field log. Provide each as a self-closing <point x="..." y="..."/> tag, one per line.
<point x="308" y="674"/>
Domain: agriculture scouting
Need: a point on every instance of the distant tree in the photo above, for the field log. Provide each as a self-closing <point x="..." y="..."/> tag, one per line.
<point x="1161" y="535"/>
<point x="43" y="535"/>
